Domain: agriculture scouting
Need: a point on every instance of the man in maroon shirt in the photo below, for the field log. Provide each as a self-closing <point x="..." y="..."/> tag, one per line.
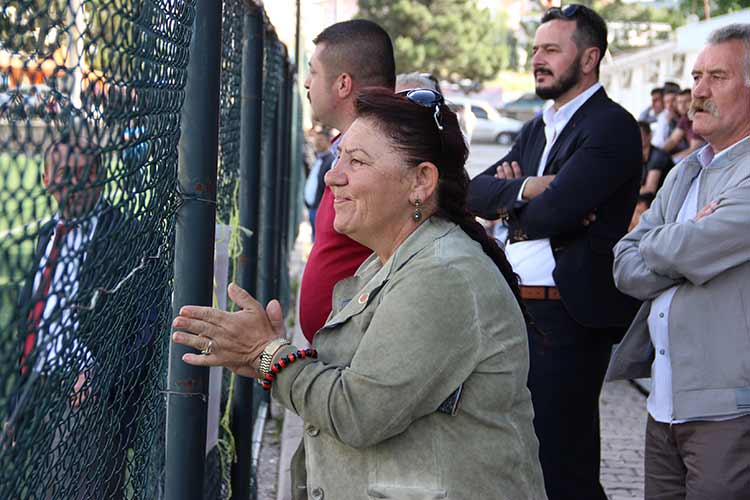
<point x="348" y="56"/>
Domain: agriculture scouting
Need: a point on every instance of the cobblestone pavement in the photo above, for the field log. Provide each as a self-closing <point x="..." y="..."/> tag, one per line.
<point x="623" y="425"/>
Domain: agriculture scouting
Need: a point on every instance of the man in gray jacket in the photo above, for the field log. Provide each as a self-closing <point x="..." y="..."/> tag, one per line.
<point x="689" y="261"/>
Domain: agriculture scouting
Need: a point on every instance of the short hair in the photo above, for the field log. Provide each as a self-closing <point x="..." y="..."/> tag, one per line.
<point x="686" y="92"/>
<point x="645" y="127"/>
<point x="591" y="30"/>
<point x="361" y="48"/>
<point x="732" y="32"/>
<point x="417" y="81"/>
<point x="657" y="90"/>
<point x="671" y="88"/>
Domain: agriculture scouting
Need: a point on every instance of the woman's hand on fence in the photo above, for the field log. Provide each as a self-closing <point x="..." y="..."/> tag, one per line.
<point x="231" y="339"/>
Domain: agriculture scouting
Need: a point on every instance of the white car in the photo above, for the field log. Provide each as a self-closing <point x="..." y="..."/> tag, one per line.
<point x="490" y="126"/>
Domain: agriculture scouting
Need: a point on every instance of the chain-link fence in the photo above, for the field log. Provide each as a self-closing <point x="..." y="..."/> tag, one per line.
<point x="91" y="100"/>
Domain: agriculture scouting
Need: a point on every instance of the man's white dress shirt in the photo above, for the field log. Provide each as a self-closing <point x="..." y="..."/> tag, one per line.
<point x="533" y="260"/>
<point x="56" y="333"/>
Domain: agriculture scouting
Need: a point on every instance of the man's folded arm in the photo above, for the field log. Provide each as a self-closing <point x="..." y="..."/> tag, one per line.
<point x="597" y="169"/>
<point x="632" y="276"/>
<point x="490" y="197"/>
<point x="699" y="251"/>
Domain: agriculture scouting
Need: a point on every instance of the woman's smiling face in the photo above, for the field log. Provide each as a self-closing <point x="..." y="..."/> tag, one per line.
<point x="371" y="186"/>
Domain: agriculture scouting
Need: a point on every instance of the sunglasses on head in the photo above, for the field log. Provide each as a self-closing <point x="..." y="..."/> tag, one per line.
<point x="567" y="11"/>
<point x="427" y="98"/>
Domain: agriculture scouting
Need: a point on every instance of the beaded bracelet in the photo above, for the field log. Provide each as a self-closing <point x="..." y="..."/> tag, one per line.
<point x="285" y="361"/>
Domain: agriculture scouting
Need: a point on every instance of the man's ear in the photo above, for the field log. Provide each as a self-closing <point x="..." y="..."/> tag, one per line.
<point x="425" y="181"/>
<point x="344" y="85"/>
<point x="589" y="60"/>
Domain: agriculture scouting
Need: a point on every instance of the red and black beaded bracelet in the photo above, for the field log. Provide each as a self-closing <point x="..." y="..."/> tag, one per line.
<point x="285" y="361"/>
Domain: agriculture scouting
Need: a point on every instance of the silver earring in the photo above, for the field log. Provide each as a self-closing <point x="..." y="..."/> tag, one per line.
<point x="417" y="215"/>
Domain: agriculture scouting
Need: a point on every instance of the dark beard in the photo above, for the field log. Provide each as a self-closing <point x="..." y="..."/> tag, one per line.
<point x="567" y="81"/>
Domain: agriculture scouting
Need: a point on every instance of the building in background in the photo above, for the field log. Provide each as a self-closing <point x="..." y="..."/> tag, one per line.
<point x="630" y="77"/>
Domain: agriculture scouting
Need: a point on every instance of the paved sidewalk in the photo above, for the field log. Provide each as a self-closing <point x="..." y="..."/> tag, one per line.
<point x="623" y="427"/>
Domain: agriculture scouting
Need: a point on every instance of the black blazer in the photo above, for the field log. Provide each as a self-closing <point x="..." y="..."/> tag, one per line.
<point x="597" y="163"/>
<point x="325" y="166"/>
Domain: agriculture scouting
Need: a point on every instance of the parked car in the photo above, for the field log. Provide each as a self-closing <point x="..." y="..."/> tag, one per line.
<point x="490" y="126"/>
<point x="525" y="107"/>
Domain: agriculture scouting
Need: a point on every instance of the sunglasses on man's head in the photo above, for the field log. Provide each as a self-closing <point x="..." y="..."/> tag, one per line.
<point x="567" y="11"/>
<point x="427" y="98"/>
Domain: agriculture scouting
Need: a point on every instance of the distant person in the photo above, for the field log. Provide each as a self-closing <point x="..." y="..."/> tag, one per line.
<point x="567" y="190"/>
<point x="689" y="261"/>
<point x="656" y="162"/>
<point x="666" y="121"/>
<point x="406" y="81"/>
<point x="651" y="113"/>
<point x="315" y="185"/>
<point x="683" y="139"/>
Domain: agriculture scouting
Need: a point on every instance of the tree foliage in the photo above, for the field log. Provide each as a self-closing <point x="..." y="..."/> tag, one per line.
<point x="717" y="7"/>
<point x="453" y="39"/>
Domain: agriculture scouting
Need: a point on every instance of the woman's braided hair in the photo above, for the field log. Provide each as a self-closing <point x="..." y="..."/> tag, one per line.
<point x="412" y="130"/>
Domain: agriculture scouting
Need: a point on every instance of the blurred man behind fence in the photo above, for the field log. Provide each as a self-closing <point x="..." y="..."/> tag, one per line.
<point x="84" y="352"/>
<point x="688" y="261"/>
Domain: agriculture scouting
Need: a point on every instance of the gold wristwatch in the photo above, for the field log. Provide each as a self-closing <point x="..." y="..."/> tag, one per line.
<point x="266" y="357"/>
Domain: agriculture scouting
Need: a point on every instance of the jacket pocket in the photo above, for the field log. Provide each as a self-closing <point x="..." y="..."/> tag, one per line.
<point x="404" y="493"/>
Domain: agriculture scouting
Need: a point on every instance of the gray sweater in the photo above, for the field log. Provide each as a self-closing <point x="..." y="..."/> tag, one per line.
<point x="709" y="260"/>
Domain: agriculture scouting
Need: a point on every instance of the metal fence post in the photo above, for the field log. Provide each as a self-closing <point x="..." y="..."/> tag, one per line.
<point x="282" y="147"/>
<point x="194" y="242"/>
<point x="269" y="174"/>
<point x="285" y="185"/>
<point x="243" y="477"/>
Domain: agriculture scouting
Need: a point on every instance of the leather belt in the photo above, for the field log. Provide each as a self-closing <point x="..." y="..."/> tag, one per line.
<point x="540" y="293"/>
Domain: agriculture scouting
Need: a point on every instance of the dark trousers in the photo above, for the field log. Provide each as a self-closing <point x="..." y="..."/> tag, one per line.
<point x="698" y="460"/>
<point x="567" y="366"/>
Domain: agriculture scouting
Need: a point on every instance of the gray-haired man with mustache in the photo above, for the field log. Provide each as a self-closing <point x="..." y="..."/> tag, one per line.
<point x="689" y="261"/>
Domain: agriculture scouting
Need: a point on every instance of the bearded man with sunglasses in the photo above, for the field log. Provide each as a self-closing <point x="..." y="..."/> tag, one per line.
<point x="567" y="190"/>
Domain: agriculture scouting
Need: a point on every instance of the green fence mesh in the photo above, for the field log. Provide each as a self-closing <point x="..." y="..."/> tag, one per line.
<point x="219" y="459"/>
<point x="91" y="93"/>
<point x="91" y="96"/>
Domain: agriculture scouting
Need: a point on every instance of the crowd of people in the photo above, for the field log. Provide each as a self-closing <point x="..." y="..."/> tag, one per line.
<point x="445" y="364"/>
<point x="667" y="136"/>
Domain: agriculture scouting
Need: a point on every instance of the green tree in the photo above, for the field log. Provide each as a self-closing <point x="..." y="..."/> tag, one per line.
<point x="453" y="39"/>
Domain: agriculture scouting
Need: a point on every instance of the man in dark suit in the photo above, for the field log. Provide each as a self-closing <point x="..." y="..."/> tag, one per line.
<point x="84" y="351"/>
<point x="567" y="190"/>
<point x="315" y="184"/>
